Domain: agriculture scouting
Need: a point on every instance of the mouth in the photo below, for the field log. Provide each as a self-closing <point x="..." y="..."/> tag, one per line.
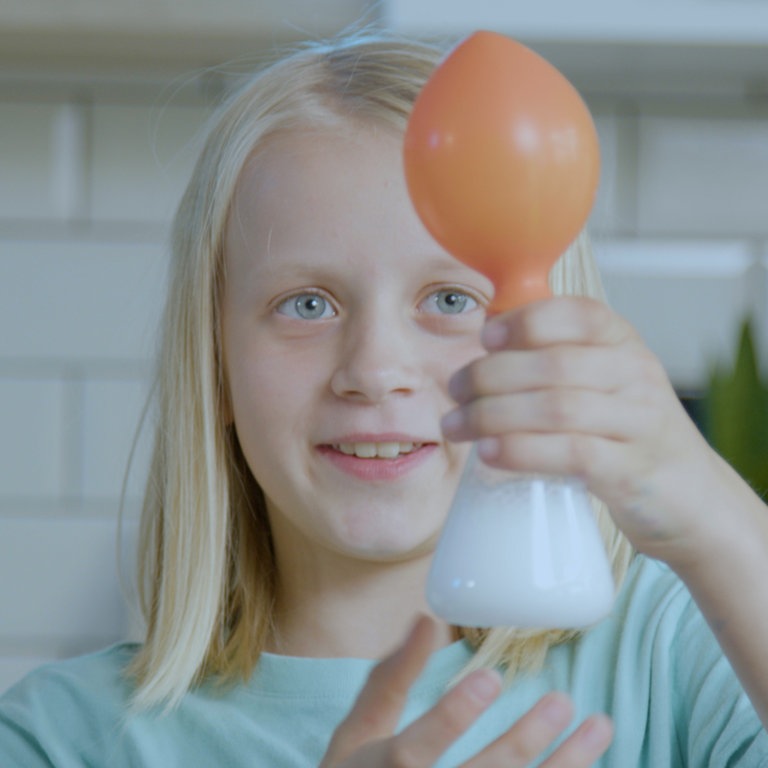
<point x="378" y="460"/>
<point x="382" y="450"/>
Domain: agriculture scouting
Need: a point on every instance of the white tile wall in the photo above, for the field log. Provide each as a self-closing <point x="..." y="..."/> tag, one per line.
<point x="31" y="440"/>
<point x="69" y="141"/>
<point x="687" y="299"/>
<point x="78" y="595"/>
<point x="112" y="411"/>
<point x="607" y="209"/>
<point x="86" y="190"/>
<point x="26" y="161"/>
<point x="141" y="158"/>
<point x="78" y="300"/>
<point x="703" y="175"/>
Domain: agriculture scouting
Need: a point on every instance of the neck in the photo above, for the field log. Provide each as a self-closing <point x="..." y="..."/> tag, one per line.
<point x="332" y="606"/>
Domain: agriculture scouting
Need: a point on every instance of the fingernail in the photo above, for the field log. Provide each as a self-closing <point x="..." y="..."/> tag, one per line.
<point x="557" y="711"/>
<point x="594" y="733"/>
<point x="494" y="335"/>
<point x="452" y="422"/>
<point x="488" y="448"/>
<point x="484" y="685"/>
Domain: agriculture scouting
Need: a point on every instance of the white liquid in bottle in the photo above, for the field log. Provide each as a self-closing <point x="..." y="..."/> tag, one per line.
<point x="520" y="551"/>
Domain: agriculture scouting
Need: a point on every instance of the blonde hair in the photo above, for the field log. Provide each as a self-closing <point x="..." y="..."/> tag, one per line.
<point x="207" y="574"/>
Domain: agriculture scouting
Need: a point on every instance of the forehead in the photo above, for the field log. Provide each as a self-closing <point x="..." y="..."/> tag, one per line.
<point x="295" y="163"/>
<point x="318" y="204"/>
<point x="324" y="187"/>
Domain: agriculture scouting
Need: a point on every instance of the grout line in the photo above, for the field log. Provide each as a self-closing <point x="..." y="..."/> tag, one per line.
<point x="87" y="170"/>
<point x="73" y="508"/>
<point x="133" y="231"/>
<point x="68" y="150"/>
<point x="628" y="158"/>
<point x="90" y="368"/>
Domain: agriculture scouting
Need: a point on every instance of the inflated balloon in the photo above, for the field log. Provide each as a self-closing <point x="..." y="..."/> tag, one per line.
<point x="502" y="163"/>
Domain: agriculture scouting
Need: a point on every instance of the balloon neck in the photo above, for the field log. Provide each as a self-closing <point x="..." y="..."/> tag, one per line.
<point x="516" y="291"/>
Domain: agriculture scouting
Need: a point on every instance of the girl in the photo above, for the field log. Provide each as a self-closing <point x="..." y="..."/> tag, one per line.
<point x="315" y="346"/>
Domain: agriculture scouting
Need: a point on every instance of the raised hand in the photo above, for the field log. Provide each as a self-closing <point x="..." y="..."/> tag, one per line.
<point x="571" y="389"/>
<point x="367" y="738"/>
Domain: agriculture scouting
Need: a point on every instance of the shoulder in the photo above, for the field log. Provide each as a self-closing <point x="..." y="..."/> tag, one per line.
<point x="99" y="674"/>
<point x="58" y="703"/>
<point x="656" y="667"/>
<point x="653" y="593"/>
<point x="690" y="682"/>
<point x="663" y="644"/>
<point x="655" y="625"/>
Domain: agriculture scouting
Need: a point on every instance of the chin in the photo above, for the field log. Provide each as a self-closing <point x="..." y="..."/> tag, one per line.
<point x="394" y="550"/>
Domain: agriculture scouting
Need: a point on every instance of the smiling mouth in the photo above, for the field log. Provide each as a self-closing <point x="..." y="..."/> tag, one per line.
<point x="387" y="450"/>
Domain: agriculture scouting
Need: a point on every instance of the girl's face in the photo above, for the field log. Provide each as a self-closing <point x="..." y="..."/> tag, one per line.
<point x="342" y="322"/>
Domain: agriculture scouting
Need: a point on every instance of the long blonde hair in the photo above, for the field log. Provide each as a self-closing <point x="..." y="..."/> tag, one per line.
<point x="207" y="574"/>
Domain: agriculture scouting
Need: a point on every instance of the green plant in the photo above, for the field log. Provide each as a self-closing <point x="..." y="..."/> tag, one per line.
<point x="735" y="413"/>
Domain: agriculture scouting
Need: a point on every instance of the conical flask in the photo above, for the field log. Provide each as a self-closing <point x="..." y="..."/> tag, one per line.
<point x="519" y="551"/>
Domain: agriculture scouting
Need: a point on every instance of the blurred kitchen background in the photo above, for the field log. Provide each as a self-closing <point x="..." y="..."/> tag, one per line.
<point x="101" y="103"/>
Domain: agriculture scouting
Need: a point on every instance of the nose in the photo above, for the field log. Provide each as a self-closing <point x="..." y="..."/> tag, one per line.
<point x="378" y="360"/>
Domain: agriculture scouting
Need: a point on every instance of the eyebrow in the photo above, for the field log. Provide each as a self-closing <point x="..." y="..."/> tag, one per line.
<point x="298" y="263"/>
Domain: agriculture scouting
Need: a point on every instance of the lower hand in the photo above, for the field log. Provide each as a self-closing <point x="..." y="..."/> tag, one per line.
<point x="367" y="738"/>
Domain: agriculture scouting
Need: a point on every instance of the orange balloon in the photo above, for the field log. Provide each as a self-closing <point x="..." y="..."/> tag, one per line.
<point x="502" y="163"/>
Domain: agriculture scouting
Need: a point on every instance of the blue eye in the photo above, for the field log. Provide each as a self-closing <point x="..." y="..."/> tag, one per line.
<point x="450" y="302"/>
<point x="306" y="306"/>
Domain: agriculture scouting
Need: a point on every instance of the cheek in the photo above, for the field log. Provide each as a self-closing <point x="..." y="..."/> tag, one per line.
<point x="460" y="355"/>
<point x="265" y="414"/>
<point x="271" y="390"/>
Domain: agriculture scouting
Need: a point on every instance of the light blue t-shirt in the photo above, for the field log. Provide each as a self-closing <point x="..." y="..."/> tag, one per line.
<point x="653" y="665"/>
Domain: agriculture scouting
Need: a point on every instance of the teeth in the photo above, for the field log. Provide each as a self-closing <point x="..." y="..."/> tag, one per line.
<point x="388" y="450"/>
<point x="375" y="450"/>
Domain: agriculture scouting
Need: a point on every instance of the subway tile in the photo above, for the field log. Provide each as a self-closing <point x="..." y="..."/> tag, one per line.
<point x="704" y="176"/>
<point x="80" y="300"/>
<point x="26" y="160"/>
<point x="605" y="214"/>
<point x="70" y="160"/>
<point x="687" y="299"/>
<point x="142" y="159"/>
<point x="112" y="411"/>
<point x="31" y="439"/>
<point x="60" y="580"/>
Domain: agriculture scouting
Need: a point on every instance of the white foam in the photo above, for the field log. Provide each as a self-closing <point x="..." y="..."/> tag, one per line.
<point x="520" y="551"/>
